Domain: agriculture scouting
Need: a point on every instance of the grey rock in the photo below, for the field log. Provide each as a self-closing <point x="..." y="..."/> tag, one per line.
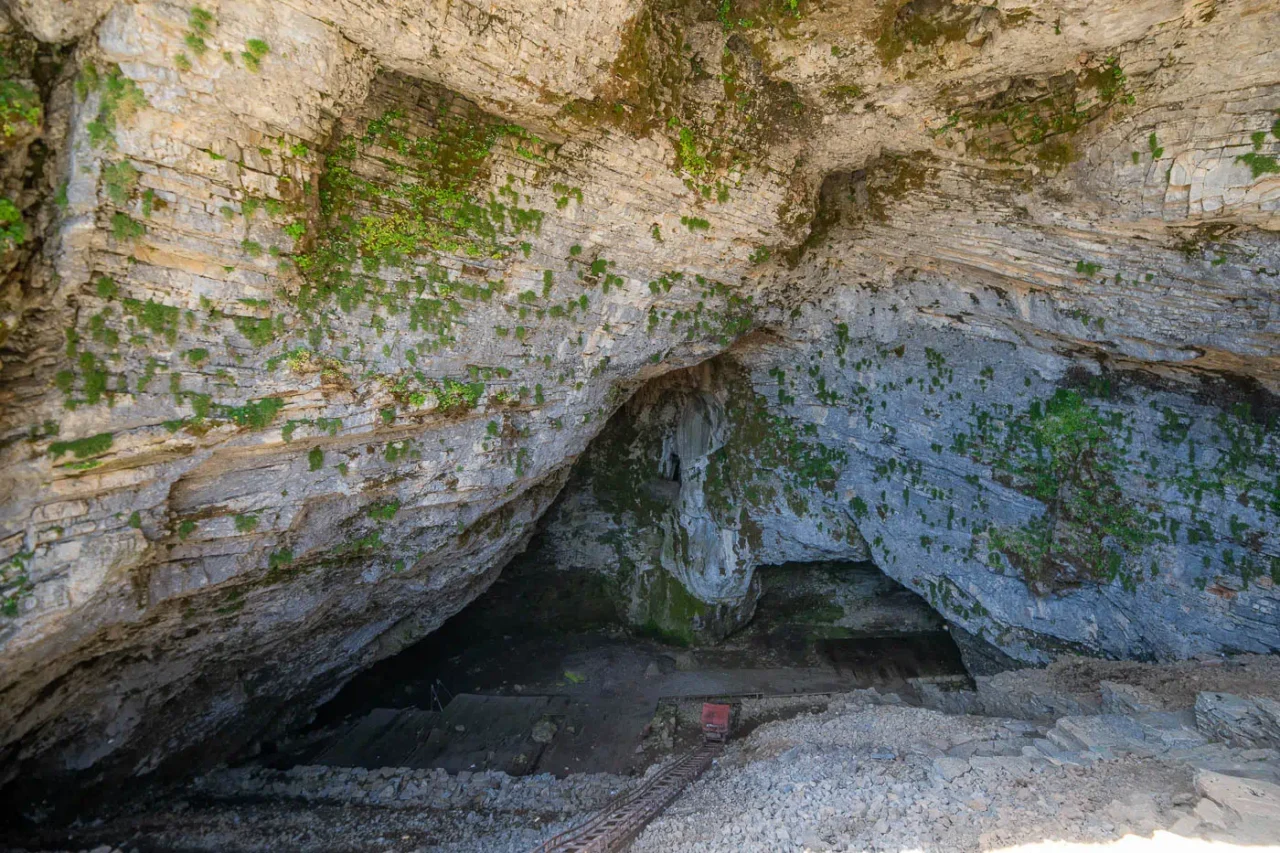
<point x="950" y="768"/>
<point x="1244" y="721"/>
<point x="1128" y="699"/>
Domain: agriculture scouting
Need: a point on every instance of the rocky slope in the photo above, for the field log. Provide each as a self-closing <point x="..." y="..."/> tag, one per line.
<point x="309" y="309"/>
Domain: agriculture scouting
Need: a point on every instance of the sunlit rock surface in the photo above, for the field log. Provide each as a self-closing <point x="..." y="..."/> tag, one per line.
<point x="310" y="310"/>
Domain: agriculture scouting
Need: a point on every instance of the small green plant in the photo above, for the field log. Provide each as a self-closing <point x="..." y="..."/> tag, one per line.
<point x="255" y="50"/>
<point x="255" y="414"/>
<point x="155" y="317"/>
<point x="246" y="523"/>
<point x="384" y="510"/>
<point x="13" y="231"/>
<point x="135" y="520"/>
<point x="83" y="448"/>
<point x="200" y="20"/>
<point x="1260" y="164"/>
<point x="120" y="179"/>
<point x="121" y="100"/>
<point x="1154" y="145"/>
<point x="201" y="24"/>
<point x="694" y="223"/>
<point x="19" y="107"/>
<point x="260" y="331"/>
<point x="182" y="62"/>
<point x="125" y="227"/>
<point x="453" y="396"/>
<point x="315" y="459"/>
<point x="690" y="160"/>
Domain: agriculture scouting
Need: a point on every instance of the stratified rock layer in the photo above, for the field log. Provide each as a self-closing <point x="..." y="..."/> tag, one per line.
<point x="309" y="309"/>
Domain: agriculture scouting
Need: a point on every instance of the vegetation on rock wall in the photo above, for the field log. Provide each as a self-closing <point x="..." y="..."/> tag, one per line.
<point x="1036" y="121"/>
<point x="1067" y="455"/>
<point x="652" y="88"/>
<point x="1075" y="453"/>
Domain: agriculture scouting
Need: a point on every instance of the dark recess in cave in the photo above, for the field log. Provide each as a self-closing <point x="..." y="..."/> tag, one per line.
<point x="538" y="632"/>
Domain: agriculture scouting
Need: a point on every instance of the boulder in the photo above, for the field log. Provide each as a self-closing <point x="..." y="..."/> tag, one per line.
<point x="1250" y="807"/>
<point x="1251" y="722"/>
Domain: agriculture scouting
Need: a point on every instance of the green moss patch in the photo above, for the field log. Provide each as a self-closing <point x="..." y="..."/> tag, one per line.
<point x="83" y="448"/>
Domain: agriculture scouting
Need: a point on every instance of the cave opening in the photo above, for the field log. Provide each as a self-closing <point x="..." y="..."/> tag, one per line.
<point x="542" y="674"/>
<point x="681" y="561"/>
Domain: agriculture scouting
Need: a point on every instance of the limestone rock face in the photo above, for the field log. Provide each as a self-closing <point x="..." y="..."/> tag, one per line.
<point x="310" y="310"/>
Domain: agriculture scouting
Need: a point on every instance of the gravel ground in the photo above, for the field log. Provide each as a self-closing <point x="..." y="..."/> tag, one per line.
<point x="860" y="777"/>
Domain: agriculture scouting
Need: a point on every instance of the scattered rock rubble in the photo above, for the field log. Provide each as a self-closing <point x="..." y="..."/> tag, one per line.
<point x="869" y="772"/>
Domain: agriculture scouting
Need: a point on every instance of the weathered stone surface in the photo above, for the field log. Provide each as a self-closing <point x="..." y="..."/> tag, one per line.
<point x="1252" y="722"/>
<point x="1128" y="699"/>
<point x="1251" y="805"/>
<point x="317" y="304"/>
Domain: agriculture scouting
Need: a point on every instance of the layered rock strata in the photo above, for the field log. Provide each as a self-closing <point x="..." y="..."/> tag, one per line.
<point x="309" y="309"/>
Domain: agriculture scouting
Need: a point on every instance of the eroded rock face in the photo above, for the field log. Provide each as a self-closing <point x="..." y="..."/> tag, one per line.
<point x="313" y="307"/>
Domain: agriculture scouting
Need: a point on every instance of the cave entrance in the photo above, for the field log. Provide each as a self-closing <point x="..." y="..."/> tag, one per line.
<point x="855" y="618"/>
<point x="541" y="674"/>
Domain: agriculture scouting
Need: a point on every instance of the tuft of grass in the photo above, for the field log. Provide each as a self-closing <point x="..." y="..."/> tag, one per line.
<point x="120" y="179"/>
<point x="20" y="108"/>
<point x="125" y="227"/>
<point x="255" y="414"/>
<point x="156" y="317"/>
<point x="83" y="448"/>
<point x="259" y="330"/>
<point x="1260" y="164"/>
<point x="121" y="100"/>
<point x="1154" y="145"/>
<point x="255" y="50"/>
<point x="13" y="231"/>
